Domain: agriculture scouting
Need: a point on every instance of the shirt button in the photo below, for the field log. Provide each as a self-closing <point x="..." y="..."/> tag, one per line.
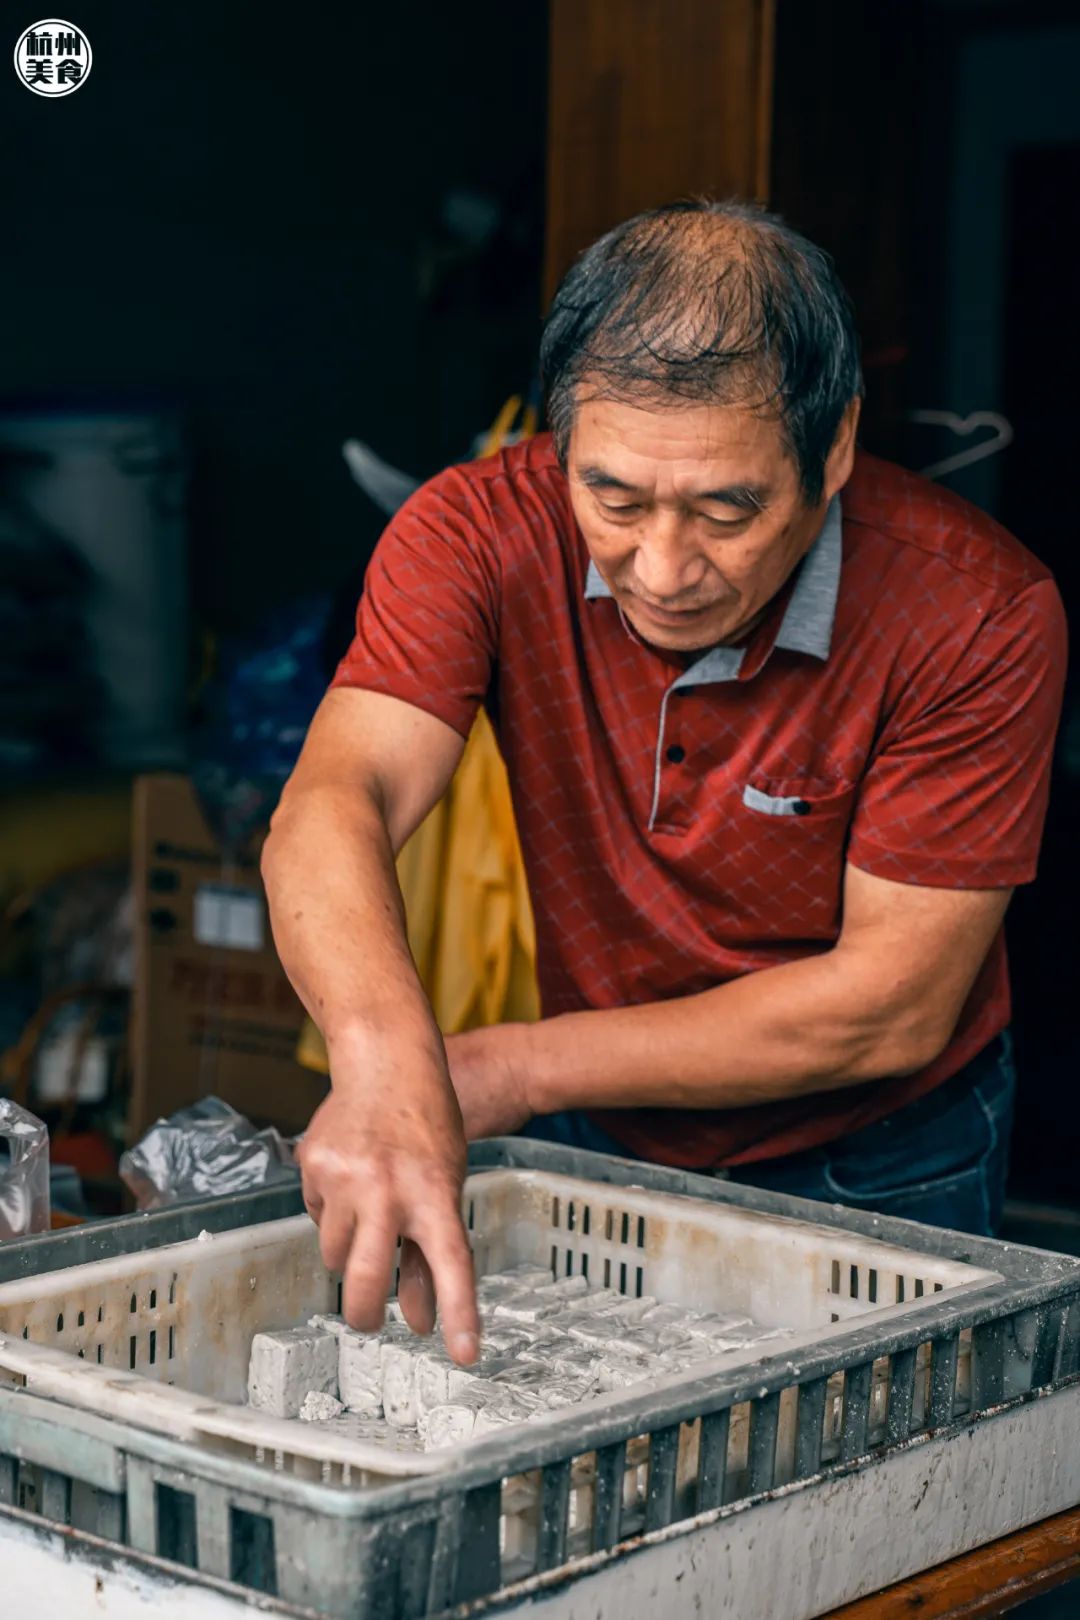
<point x="801" y="808"/>
<point x="676" y="754"/>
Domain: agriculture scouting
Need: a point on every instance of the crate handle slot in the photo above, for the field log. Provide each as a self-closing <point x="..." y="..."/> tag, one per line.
<point x="251" y="1552"/>
<point x="175" y="1517"/>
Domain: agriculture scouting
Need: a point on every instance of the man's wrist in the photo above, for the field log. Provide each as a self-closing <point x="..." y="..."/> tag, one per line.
<point x="540" y="1076"/>
<point x="362" y="1042"/>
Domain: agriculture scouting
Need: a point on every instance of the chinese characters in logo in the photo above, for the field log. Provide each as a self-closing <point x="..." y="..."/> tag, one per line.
<point x="53" y="58"/>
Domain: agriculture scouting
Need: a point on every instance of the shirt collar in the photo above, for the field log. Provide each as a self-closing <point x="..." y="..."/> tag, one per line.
<point x="807" y="625"/>
<point x="808" y="620"/>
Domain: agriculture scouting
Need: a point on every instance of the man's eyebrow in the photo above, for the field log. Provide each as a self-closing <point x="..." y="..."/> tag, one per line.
<point x="745" y="497"/>
<point x="598" y="478"/>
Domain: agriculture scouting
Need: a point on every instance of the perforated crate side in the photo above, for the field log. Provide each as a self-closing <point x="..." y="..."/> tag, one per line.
<point x="529" y="1501"/>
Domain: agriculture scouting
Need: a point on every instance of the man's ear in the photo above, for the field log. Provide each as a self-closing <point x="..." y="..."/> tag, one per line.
<point x="841" y="458"/>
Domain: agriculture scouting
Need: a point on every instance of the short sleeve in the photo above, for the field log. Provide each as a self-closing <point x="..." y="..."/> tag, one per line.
<point x="427" y="622"/>
<point x="955" y="796"/>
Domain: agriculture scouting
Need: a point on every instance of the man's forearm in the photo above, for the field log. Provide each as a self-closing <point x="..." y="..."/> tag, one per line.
<point x="812" y="1025"/>
<point x="337" y="915"/>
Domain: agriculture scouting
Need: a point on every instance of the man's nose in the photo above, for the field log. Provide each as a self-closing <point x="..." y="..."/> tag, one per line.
<point x="666" y="564"/>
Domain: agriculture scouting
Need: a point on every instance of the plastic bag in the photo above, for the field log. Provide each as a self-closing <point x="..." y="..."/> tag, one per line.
<point x="24" y="1172"/>
<point x="202" y="1152"/>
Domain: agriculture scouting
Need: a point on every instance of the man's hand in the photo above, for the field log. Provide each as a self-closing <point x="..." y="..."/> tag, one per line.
<point x="383" y="1158"/>
<point x="489" y="1069"/>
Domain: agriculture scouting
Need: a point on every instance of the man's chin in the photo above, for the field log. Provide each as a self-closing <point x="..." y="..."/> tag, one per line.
<point x="691" y="632"/>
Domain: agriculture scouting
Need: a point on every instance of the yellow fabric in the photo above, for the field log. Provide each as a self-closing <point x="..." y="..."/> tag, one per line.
<point x="470" y="923"/>
<point x="502" y="431"/>
<point x="467" y="909"/>
<point x="48" y="830"/>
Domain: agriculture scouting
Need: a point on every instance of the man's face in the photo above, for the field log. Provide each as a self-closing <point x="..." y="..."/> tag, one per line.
<point x="694" y="516"/>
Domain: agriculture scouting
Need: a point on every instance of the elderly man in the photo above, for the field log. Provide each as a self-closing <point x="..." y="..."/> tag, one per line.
<point x="777" y="718"/>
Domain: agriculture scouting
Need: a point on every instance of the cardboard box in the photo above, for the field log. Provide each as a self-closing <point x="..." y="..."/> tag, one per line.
<point x="213" y="1012"/>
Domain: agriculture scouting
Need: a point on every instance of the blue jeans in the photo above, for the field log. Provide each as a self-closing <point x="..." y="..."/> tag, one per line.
<point x="941" y="1160"/>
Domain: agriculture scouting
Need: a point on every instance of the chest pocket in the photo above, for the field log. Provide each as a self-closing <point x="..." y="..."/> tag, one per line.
<point x="796" y="831"/>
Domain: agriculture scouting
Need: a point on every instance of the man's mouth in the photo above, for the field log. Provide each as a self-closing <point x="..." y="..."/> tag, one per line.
<point x="671" y="616"/>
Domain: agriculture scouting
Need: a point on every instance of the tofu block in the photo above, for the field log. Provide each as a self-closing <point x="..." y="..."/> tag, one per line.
<point x="563" y="1392"/>
<point x="691" y="1351"/>
<point x="489" y="1294"/>
<point x="591" y="1329"/>
<point x="432" y="1374"/>
<point x="318" y="1407"/>
<point x="682" y="1323"/>
<point x="739" y="1335"/>
<point x="564" y="1288"/>
<point x="483" y="1409"/>
<point x="448" y="1425"/>
<point x="496" y="1415"/>
<point x="543" y="1348"/>
<point x="439" y="1380"/>
<point x="525" y="1275"/>
<point x="551" y="1390"/>
<point x="598" y="1300"/>
<point x="623" y="1371"/>
<point x="397" y="1363"/>
<point x="454" y="1421"/>
<point x="490" y="1290"/>
<point x="669" y="1315"/>
<point x="631" y="1310"/>
<point x="746" y="1336"/>
<point x="715" y="1325"/>
<point x="679" y="1353"/>
<point x="530" y="1307"/>
<point x="360" y="1372"/>
<point x="604" y="1302"/>
<point x="510" y="1338"/>
<point x="330" y="1322"/>
<point x="636" y="1338"/>
<point x="673" y="1323"/>
<point x="285" y="1365"/>
<point x="523" y="1377"/>
<point x="578" y="1362"/>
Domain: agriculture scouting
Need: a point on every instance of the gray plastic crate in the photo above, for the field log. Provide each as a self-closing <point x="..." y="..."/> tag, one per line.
<point x="649" y="1460"/>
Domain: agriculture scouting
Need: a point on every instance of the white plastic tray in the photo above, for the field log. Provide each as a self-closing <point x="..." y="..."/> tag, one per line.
<point x="160" y="1339"/>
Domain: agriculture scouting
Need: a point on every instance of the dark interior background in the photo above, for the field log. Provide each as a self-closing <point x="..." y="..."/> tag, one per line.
<point x="298" y="232"/>
<point x="939" y="160"/>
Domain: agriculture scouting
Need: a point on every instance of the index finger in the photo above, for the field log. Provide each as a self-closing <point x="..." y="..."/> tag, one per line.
<point x="440" y="1232"/>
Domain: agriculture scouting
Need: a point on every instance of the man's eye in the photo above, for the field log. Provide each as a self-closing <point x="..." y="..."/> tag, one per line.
<point x="618" y="511"/>
<point x="727" y="523"/>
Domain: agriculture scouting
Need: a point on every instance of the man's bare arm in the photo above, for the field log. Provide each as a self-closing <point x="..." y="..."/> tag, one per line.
<point x="385" y="1155"/>
<point x="884" y="1001"/>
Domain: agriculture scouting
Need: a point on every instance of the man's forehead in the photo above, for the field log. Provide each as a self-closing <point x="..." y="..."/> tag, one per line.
<point x="706" y="445"/>
<point x="682" y="456"/>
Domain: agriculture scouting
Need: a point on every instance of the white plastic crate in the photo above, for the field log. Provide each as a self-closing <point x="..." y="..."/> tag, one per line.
<point x="902" y="1335"/>
<point x="160" y="1339"/>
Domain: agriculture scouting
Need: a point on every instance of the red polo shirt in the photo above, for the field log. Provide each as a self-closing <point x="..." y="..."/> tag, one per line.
<point x="680" y="827"/>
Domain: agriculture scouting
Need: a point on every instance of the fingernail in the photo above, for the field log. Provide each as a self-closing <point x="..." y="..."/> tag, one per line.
<point x="465" y="1347"/>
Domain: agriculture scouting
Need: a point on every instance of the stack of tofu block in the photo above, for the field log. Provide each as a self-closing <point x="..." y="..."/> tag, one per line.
<point x="547" y="1344"/>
